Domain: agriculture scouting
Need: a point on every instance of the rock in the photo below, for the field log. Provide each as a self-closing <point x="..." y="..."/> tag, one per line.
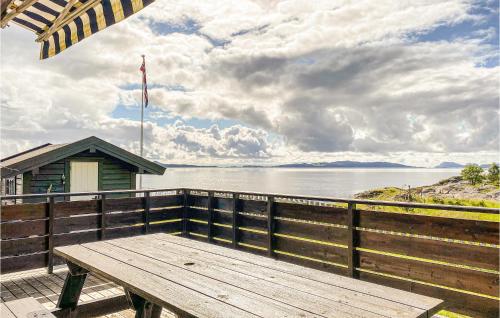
<point x="454" y="187"/>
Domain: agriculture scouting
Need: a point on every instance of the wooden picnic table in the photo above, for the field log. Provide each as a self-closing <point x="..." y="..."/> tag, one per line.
<point x="197" y="279"/>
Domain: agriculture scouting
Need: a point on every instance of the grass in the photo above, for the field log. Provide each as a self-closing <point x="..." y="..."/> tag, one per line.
<point x="390" y="194"/>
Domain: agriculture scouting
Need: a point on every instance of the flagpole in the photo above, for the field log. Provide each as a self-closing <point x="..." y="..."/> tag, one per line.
<point x="142" y="120"/>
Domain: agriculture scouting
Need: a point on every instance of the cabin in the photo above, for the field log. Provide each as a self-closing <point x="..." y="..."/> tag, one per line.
<point x="87" y="165"/>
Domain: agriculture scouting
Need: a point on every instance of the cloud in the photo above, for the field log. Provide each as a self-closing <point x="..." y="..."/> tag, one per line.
<point x="296" y="79"/>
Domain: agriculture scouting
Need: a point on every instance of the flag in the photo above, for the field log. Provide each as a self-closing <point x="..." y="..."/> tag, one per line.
<point x="144" y="83"/>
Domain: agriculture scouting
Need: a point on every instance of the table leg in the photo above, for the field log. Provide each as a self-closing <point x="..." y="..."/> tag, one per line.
<point x="73" y="285"/>
<point x="143" y="308"/>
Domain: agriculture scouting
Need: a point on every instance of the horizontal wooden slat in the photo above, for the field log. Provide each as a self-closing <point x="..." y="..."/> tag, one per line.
<point x="458" y="229"/>
<point x="23" y="212"/>
<point x="25" y="262"/>
<point x="252" y="206"/>
<point x="454" y="301"/>
<point x="165" y="214"/>
<point x="198" y="228"/>
<point x="126" y="204"/>
<point x="124" y="231"/>
<point x="322" y="252"/>
<point x="223" y="204"/>
<point x="166" y="201"/>
<point x="124" y="218"/>
<point x="23" y="229"/>
<point x="199" y="214"/>
<point x="29" y="245"/>
<point x="116" y="176"/>
<point x="254" y="222"/>
<point x="76" y="238"/>
<point x="312" y="213"/>
<point x="197" y="200"/>
<point x="76" y="223"/>
<point x="67" y="208"/>
<point x="312" y="231"/>
<point x="47" y="177"/>
<point x="222" y="232"/>
<point x="455" y="277"/>
<point x="455" y="253"/>
<point x="170" y="227"/>
<point x="257" y="239"/>
<point x="312" y="264"/>
<point x="222" y="217"/>
<point x="218" y="231"/>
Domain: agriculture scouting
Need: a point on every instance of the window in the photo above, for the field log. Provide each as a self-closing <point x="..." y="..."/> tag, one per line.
<point x="10" y="186"/>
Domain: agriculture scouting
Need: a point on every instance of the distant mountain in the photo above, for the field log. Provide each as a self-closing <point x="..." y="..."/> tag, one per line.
<point x="454" y="165"/>
<point x="448" y="164"/>
<point x="346" y="164"/>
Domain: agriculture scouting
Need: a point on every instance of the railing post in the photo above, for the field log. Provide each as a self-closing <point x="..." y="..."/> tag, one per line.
<point x="210" y="206"/>
<point x="352" y="237"/>
<point x="50" y="263"/>
<point x="185" y="214"/>
<point x="236" y="198"/>
<point x="103" y="217"/>
<point x="270" y="226"/>
<point x="147" y="203"/>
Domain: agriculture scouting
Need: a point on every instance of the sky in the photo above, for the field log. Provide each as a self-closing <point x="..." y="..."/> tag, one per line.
<point x="269" y="82"/>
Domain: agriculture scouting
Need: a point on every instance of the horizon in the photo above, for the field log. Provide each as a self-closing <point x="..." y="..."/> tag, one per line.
<point x="281" y="165"/>
<point x="269" y="83"/>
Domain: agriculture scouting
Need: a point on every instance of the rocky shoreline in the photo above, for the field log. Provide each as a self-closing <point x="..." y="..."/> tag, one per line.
<point x="452" y="188"/>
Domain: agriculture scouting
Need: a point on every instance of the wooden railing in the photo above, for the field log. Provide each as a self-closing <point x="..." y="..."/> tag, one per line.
<point x="419" y="248"/>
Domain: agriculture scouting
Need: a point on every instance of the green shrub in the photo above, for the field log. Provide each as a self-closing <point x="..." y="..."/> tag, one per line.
<point x="493" y="173"/>
<point x="472" y="173"/>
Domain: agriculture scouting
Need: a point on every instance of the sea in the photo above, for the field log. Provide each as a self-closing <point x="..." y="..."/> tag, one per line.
<point x="331" y="182"/>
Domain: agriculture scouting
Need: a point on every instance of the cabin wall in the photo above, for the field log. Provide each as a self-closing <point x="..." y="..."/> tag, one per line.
<point x="48" y="175"/>
<point x="116" y="175"/>
<point x="113" y="174"/>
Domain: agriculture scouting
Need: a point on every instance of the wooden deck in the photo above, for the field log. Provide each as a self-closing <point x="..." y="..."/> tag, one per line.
<point x="45" y="288"/>
<point x="441" y="251"/>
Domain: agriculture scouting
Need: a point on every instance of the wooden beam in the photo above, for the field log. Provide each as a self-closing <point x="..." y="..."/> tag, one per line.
<point x="270" y="225"/>
<point x="50" y="207"/>
<point x="97" y="307"/>
<point x="210" y="207"/>
<point x="235" y="224"/>
<point x="12" y="14"/>
<point x="68" y="299"/>
<point x="352" y="240"/>
<point x="57" y="22"/>
<point x="69" y="17"/>
<point x="4" y="4"/>
<point x="147" y="208"/>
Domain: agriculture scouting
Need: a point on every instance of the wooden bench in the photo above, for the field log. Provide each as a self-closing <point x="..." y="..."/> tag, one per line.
<point x="24" y="308"/>
<point x="195" y="279"/>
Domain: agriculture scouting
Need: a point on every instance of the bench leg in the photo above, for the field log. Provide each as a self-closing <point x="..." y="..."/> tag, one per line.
<point x="73" y="285"/>
<point x="142" y="307"/>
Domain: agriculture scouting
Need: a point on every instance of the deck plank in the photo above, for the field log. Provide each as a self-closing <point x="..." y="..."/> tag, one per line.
<point x="382" y="292"/>
<point x="156" y="289"/>
<point x="26" y="307"/>
<point x="5" y="311"/>
<point x="271" y="299"/>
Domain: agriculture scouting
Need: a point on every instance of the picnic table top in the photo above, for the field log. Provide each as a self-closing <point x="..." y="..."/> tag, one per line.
<point x="193" y="278"/>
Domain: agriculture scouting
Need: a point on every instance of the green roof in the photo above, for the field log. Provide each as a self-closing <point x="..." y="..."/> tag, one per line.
<point x="48" y="153"/>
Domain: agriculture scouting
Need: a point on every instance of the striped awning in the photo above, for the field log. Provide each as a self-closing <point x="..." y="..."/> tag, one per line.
<point x="59" y="24"/>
